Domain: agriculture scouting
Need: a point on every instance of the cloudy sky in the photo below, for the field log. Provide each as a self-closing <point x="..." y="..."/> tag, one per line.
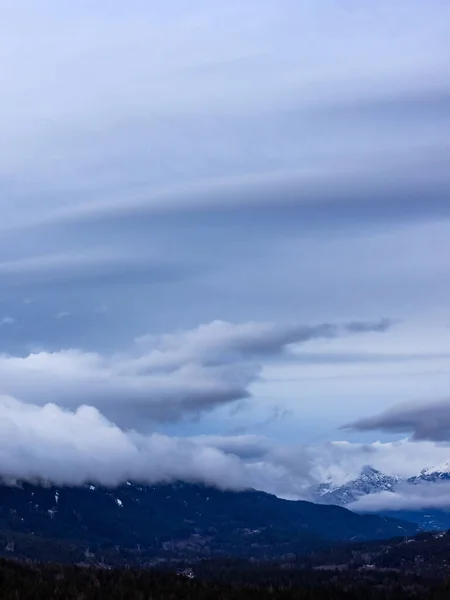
<point x="224" y="239"/>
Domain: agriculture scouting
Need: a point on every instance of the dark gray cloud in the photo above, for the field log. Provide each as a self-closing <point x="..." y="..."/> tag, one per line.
<point x="423" y="420"/>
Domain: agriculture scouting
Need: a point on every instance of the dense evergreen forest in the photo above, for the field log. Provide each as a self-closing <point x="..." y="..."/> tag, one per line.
<point x="20" y="581"/>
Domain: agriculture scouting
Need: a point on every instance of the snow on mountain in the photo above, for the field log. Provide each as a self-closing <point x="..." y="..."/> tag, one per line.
<point x="372" y="481"/>
<point x="433" y="474"/>
<point x="442" y="468"/>
<point x="369" y="481"/>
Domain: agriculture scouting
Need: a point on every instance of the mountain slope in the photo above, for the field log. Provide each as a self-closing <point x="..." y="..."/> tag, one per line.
<point x="183" y="519"/>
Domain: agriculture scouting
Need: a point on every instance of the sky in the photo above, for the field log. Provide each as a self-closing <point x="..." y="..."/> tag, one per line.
<point x="224" y="240"/>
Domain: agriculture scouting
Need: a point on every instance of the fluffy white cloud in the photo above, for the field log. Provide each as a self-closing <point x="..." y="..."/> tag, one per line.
<point x="48" y="443"/>
<point x="407" y="497"/>
<point x="74" y="447"/>
<point x="342" y="461"/>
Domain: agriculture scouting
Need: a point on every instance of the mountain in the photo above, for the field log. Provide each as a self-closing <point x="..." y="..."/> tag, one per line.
<point x="135" y="522"/>
<point x="428" y="519"/>
<point x="433" y="475"/>
<point x="372" y="481"/>
<point x="369" y="481"/>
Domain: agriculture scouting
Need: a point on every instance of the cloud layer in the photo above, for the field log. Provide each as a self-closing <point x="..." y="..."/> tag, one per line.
<point x="407" y="497"/>
<point x="74" y="447"/>
<point x="225" y="177"/>
<point x="51" y="444"/>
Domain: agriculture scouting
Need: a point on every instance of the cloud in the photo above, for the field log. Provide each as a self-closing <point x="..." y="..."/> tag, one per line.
<point x="343" y="358"/>
<point x="406" y="497"/>
<point x="48" y="443"/>
<point x="62" y="314"/>
<point x="224" y="180"/>
<point x="164" y="377"/>
<point x="340" y="462"/>
<point x="363" y="141"/>
<point x="72" y="447"/>
<point x="350" y="57"/>
<point x="100" y="309"/>
<point x="253" y="152"/>
<point x="424" y="420"/>
<point x="254" y="338"/>
<point x="7" y="321"/>
<point x="94" y="266"/>
<point x="244" y="446"/>
<point x="325" y="191"/>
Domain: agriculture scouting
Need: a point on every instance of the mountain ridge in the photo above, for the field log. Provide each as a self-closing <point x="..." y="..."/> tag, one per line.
<point x="172" y="520"/>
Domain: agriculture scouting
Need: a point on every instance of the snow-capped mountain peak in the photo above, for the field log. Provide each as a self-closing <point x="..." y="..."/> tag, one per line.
<point x="369" y="481"/>
<point x="443" y="468"/>
<point x="372" y="481"/>
<point x="434" y="474"/>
